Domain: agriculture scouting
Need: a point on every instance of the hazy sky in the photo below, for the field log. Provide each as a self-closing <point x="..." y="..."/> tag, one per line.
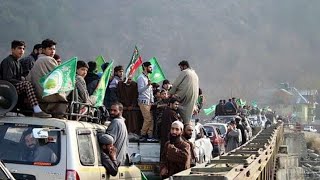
<point x="237" y="47"/>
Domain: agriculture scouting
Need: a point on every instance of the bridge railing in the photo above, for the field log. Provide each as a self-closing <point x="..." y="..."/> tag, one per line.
<point x="254" y="160"/>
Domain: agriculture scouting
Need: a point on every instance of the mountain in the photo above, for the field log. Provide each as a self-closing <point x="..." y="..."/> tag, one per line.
<point x="237" y="47"/>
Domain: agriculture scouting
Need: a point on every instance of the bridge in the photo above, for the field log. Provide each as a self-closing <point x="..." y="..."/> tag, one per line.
<point x="260" y="158"/>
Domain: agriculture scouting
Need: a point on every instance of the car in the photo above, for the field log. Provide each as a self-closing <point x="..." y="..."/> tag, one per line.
<point x="203" y="146"/>
<point x="221" y="126"/>
<point x="217" y="141"/>
<point x="5" y="173"/>
<point x="256" y="121"/>
<point x="68" y="149"/>
<point x="310" y="129"/>
<point x="224" y="119"/>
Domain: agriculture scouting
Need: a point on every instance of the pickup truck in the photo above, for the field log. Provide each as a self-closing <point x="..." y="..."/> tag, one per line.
<point x="150" y="153"/>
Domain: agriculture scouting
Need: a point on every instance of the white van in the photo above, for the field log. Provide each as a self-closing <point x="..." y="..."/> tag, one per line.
<point x="69" y="151"/>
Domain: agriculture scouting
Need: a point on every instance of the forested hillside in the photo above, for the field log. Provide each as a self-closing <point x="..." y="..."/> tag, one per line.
<point x="238" y="47"/>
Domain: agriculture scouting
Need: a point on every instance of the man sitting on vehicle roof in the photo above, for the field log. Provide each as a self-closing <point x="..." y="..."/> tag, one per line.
<point x="10" y="70"/>
<point x="55" y="104"/>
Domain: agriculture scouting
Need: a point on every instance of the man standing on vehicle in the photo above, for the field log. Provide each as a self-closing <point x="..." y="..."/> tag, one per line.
<point x="145" y="100"/>
<point x="186" y="89"/>
<point x="168" y="117"/>
<point x="118" y="130"/>
<point x="127" y="93"/>
<point x="108" y="154"/>
<point x="176" y="155"/>
<point x="34" y="152"/>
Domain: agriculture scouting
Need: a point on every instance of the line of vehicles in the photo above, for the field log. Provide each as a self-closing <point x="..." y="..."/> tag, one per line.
<point x="75" y="146"/>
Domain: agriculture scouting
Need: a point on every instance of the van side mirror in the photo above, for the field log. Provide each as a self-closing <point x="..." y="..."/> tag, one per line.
<point x="135" y="158"/>
<point x="40" y="133"/>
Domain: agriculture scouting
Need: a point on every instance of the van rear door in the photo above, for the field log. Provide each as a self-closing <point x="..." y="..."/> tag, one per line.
<point x="87" y="155"/>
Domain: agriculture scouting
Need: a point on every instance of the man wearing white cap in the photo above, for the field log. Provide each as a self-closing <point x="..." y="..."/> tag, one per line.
<point x="108" y="154"/>
<point x="176" y="156"/>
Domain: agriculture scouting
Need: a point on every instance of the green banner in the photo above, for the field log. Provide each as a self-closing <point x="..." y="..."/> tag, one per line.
<point x="209" y="110"/>
<point x="99" y="61"/>
<point x="100" y="91"/>
<point x="61" y="79"/>
<point x="157" y="74"/>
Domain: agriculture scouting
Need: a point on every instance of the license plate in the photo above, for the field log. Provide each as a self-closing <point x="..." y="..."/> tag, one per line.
<point x="145" y="167"/>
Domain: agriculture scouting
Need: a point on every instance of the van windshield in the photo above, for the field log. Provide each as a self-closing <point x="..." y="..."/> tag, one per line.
<point x="19" y="146"/>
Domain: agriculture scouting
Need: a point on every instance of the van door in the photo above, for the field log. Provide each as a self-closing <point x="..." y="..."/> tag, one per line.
<point x="87" y="155"/>
<point x="102" y="170"/>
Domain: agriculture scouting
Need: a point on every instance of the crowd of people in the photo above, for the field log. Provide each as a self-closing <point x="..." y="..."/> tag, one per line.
<point x="143" y="107"/>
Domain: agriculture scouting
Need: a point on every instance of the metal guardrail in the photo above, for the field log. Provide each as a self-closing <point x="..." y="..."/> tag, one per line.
<point x="254" y="160"/>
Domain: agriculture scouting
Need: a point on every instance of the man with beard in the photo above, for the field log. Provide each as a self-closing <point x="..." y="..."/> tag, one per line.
<point x="186" y="136"/>
<point x="176" y="155"/>
<point x="118" y="130"/>
<point x="145" y="100"/>
<point x="169" y="115"/>
<point x="186" y="89"/>
<point x="108" y="154"/>
<point x="127" y="93"/>
<point x="34" y="152"/>
<point x="28" y="62"/>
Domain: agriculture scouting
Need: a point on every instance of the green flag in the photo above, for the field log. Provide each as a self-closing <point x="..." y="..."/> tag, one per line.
<point x="61" y="79"/>
<point x="99" y="62"/>
<point x="100" y="91"/>
<point x="240" y="102"/>
<point x="143" y="177"/>
<point x="157" y="74"/>
<point x="254" y="104"/>
<point x="210" y="110"/>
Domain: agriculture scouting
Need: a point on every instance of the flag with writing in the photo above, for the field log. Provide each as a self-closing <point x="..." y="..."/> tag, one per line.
<point x="210" y="110"/>
<point x="99" y="61"/>
<point x="100" y="91"/>
<point x="61" y="79"/>
<point x="157" y="74"/>
<point x="134" y="63"/>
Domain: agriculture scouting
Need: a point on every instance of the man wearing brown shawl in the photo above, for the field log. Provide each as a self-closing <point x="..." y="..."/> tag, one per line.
<point x="127" y="93"/>
<point x="176" y="156"/>
<point x="168" y="117"/>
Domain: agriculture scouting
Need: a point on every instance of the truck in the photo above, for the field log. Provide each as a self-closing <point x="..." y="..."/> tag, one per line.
<point x="150" y="153"/>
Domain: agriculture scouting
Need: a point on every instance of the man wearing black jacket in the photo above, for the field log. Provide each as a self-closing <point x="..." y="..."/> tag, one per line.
<point x="11" y="70"/>
<point x="243" y="133"/>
